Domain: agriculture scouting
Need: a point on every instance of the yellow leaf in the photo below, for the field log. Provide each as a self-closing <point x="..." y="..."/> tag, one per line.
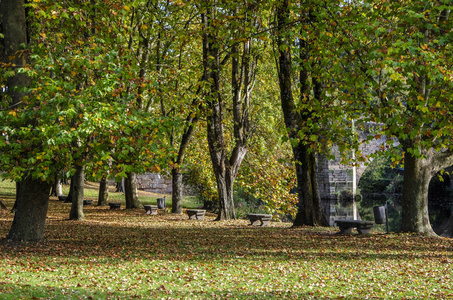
<point x="126" y="7"/>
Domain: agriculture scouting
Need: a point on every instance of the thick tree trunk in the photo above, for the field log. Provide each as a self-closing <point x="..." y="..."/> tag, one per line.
<point x="226" y="202"/>
<point x="418" y="172"/>
<point x="31" y="211"/>
<point x="417" y="175"/>
<point x="131" y="193"/>
<point x="77" y="194"/>
<point x="103" y="197"/>
<point x="309" y="212"/>
<point x="176" y="193"/>
<point x="309" y="209"/>
<point x="15" y="34"/>
<point x="32" y="201"/>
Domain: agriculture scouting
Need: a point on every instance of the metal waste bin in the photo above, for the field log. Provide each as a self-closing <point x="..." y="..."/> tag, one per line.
<point x="379" y="214"/>
<point x="161" y="203"/>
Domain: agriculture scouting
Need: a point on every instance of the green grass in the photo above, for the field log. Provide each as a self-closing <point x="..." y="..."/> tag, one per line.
<point x="127" y="254"/>
<point x="91" y="192"/>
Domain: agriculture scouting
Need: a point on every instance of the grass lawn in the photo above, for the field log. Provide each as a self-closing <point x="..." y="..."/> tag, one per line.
<point x="126" y="254"/>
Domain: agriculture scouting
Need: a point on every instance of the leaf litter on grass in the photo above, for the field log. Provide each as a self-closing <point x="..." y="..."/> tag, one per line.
<point x="125" y="253"/>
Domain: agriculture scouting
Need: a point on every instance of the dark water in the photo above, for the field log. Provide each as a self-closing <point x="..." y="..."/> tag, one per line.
<point x="439" y="210"/>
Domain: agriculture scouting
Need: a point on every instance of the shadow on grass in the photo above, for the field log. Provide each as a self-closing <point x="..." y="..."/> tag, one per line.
<point x="27" y="291"/>
<point x="152" y="237"/>
<point x="132" y="234"/>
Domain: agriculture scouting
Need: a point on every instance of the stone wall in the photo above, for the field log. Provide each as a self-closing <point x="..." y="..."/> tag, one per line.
<point x="153" y="182"/>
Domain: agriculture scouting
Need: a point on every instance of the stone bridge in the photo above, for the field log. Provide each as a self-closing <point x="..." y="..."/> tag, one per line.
<point x="334" y="178"/>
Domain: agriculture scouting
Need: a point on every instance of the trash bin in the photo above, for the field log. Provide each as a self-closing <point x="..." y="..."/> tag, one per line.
<point x="161" y="203"/>
<point x="379" y="214"/>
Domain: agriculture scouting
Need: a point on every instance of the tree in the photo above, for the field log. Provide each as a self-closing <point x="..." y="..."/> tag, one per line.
<point x="172" y="41"/>
<point x="298" y="117"/>
<point x="400" y="53"/>
<point x="33" y="194"/>
<point x="240" y="50"/>
<point x="80" y="92"/>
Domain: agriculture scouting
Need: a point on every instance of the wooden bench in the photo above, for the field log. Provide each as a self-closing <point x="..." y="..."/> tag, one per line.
<point x="114" y="205"/>
<point x="196" y="213"/>
<point x="150" y="209"/>
<point x="262" y="218"/>
<point x="363" y="227"/>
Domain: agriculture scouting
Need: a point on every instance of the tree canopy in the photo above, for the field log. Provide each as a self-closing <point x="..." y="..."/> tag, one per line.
<point x="124" y="87"/>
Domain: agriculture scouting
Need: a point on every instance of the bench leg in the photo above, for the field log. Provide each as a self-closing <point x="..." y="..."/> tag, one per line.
<point x="254" y="221"/>
<point x="345" y="230"/>
<point x="264" y="223"/>
<point x="363" y="230"/>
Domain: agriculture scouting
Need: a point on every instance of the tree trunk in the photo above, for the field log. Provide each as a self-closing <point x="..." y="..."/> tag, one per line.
<point x="15" y="34"/>
<point x="31" y="211"/>
<point x="226" y="166"/>
<point x="32" y="201"/>
<point x="417" y="175"/>
<point x="120" y="186"/>
<point x="77" y="194"/>
<point x="176" y="174"/>
<point x="131" y="193"/>
<point x="103" y="197"/>
<point x="176" y="193"/>
<point x="57" y="188"/>
<point x="309" y="212"/>
<point x="309" y="208"/>
<point x="226" y="201"/>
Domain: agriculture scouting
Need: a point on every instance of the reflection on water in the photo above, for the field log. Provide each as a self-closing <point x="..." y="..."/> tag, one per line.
<point x="440" y="209"/>
<point x="393" y="206"/>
